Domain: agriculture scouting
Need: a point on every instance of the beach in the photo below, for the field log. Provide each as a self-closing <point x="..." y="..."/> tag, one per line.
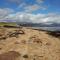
<point x="30" y="44"/>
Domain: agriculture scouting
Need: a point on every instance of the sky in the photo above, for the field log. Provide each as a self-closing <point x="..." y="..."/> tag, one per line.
<point x="36" y="11"/>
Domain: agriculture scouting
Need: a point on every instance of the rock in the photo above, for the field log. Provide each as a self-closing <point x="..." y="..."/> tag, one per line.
<point x="3" y="38"/>
<point x="25" y="56"/>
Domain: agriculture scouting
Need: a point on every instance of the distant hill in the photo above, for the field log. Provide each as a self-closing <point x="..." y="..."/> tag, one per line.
<point x="8" y="23"/>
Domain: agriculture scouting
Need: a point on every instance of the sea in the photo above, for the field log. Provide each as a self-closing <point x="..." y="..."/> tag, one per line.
<point x="48" y="28"/>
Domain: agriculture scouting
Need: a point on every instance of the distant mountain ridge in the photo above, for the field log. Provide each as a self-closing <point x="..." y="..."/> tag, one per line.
<point x="39" y="24"/>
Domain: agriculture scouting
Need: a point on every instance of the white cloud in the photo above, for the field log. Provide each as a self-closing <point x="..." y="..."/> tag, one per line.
<point x="26" y="15"/>
<point x="31" y="8"/>
<point x="40" y="18"/>
<point x="23" y="6"/>
<point x="4" y="12"/>
<point x="15" y="1"/>
<point x="22" y="1"/>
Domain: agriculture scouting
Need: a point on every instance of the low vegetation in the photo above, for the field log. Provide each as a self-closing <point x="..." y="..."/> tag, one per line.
<point x="7" y="23"/>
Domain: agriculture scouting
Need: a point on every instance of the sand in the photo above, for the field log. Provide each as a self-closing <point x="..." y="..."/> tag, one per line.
<point x="31" y="45"/>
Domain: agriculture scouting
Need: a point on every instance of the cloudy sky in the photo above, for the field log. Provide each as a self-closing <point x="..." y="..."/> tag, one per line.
<point x="36" y="11"/>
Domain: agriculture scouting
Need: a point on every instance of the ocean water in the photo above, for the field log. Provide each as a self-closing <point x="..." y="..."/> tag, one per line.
<point x="48" y="28"/>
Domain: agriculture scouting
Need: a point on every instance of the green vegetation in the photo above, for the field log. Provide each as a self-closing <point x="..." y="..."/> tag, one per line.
<point x="7" y="23"/>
